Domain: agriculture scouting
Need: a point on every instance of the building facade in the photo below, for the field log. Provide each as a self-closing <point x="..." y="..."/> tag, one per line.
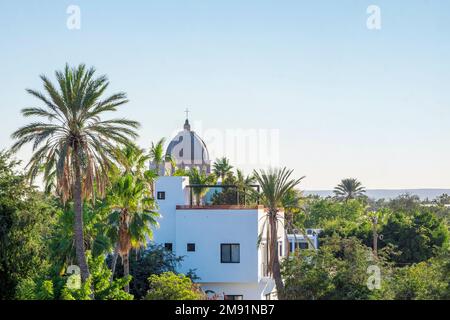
<point x="220" y="243"/>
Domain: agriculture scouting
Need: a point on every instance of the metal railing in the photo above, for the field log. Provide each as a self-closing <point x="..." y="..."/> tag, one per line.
<point x="223" y="186"/>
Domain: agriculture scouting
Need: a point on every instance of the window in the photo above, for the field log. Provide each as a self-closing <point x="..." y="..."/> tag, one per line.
<point x="230" y="253"/>
<point x="161" y="195"/>
<point x="191" y="247"/>
<point x="303" y="245"/>
<point x="168" y="246"/>
<point x="233" y="297"/>
<point x="280" y="248"/>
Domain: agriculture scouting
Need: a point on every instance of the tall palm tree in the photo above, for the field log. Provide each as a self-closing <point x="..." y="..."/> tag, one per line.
<point x="275" y="184"/>
<point x="349" y="189"/>
<point x="158" y="157"/>
<point x="132" y="218"/>
<point x="131" y="160"/>
<point x="221" y="168"/>
<point x="197" y="177"/>
<point x="74" y="146"/>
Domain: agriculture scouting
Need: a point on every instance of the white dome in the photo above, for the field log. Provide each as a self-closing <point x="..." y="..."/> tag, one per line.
<point x="188" y="149"/>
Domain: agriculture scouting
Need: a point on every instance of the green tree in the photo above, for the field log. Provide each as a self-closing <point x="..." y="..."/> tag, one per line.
<point x="422" y="281"/>
<point x="349" y="189"/>
<point x="159" y="158"/>
<point x="308" y="276"/>
<point x="154" y="259"/>
<point x="221" y="168"/>
<point x="75" y="146"/>
<point x="416" y="235"/>
<point x="337" y="271"/>
<point x="26" y="221"/>
<point x="170" y="286"/>
<point x="275" y="184"/>
<point x="133" y="216"/>
<point x="200" y="178"/>
<point x="62" y="287"/>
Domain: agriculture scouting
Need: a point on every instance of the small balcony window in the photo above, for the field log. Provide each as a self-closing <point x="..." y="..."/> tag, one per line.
<point x="191" y="247"/>
<point x="168" y="246"/>
<point x="161" y="195"/>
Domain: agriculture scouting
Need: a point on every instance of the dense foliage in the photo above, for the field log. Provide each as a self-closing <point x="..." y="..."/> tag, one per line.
<point x="26" y="220"/>
<point x="170" y="286"/>
<point x="411" y="238"/>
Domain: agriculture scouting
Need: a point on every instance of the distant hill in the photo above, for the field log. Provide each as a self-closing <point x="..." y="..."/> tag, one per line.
<point x="389" y="193"/>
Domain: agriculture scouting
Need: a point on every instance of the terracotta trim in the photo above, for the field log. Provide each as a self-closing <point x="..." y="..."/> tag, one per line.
<point x="219" y="207"/>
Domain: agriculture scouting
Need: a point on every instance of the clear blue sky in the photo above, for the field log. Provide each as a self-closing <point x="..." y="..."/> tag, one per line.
<point x="348" y="101"/>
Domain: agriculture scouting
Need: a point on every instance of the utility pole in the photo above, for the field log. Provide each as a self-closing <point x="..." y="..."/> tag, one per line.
<point x="375" y="235"/>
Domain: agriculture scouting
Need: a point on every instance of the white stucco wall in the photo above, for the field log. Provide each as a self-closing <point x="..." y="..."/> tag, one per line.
<point x="208" y="229"/>
<point x="249" y="291"/>
<point x="176" y="194"/>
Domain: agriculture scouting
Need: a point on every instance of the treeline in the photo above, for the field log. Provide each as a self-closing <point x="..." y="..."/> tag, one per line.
<point x="396" y="249"/>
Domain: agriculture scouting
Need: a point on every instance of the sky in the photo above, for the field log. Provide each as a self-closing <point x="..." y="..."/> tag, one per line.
<point x="339" y="99"/>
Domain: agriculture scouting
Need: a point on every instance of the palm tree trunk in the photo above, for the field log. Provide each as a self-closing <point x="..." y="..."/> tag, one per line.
<point x="276" y="268"/>
<point x="126" y="269"/>
<point x="78" y="222"/>
<point x="114" y="262"/>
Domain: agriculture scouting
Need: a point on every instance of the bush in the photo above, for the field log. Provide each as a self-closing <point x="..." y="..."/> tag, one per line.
<point x="170" y="286"/>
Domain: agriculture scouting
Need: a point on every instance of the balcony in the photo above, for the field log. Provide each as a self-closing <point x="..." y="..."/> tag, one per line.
<point x="222" y="197"/>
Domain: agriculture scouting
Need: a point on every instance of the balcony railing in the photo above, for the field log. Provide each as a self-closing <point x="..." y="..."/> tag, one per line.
<point x="238" y="199"/>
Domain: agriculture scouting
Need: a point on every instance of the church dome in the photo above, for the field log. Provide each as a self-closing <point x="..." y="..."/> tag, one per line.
<point x="189" y="150"/>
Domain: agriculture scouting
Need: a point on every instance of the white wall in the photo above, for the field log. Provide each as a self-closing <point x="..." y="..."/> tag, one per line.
<point x="208" y="229"/>
<point x="176" y="194"/>
<point x="249" y="291"/>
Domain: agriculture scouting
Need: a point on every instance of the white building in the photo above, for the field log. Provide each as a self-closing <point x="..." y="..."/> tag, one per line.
<point x="298" y="241"/>
<point x="219" y="242"/>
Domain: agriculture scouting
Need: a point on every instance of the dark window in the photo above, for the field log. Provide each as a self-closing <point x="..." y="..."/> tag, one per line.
<point x="233" y="297"/>
<point x="168" y="246"/>
<point x="191" y="247"/>
<point x="230" y="253"/>
<point x="303" y="245"/>
<point x="161" y="195"/>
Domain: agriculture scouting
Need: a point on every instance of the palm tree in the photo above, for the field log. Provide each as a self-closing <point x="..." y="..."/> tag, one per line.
<point x="158" y="157"/>
<point x="221" y="168"/>
<point x="133" y="215"/>
<point x="197" y="177"/>
<point x="132" y="160"/>
<point x="244" y="185"/>
<point x="74" y="146"/>
<point x="349" y="189"/>
<point x="275" y="184"/>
